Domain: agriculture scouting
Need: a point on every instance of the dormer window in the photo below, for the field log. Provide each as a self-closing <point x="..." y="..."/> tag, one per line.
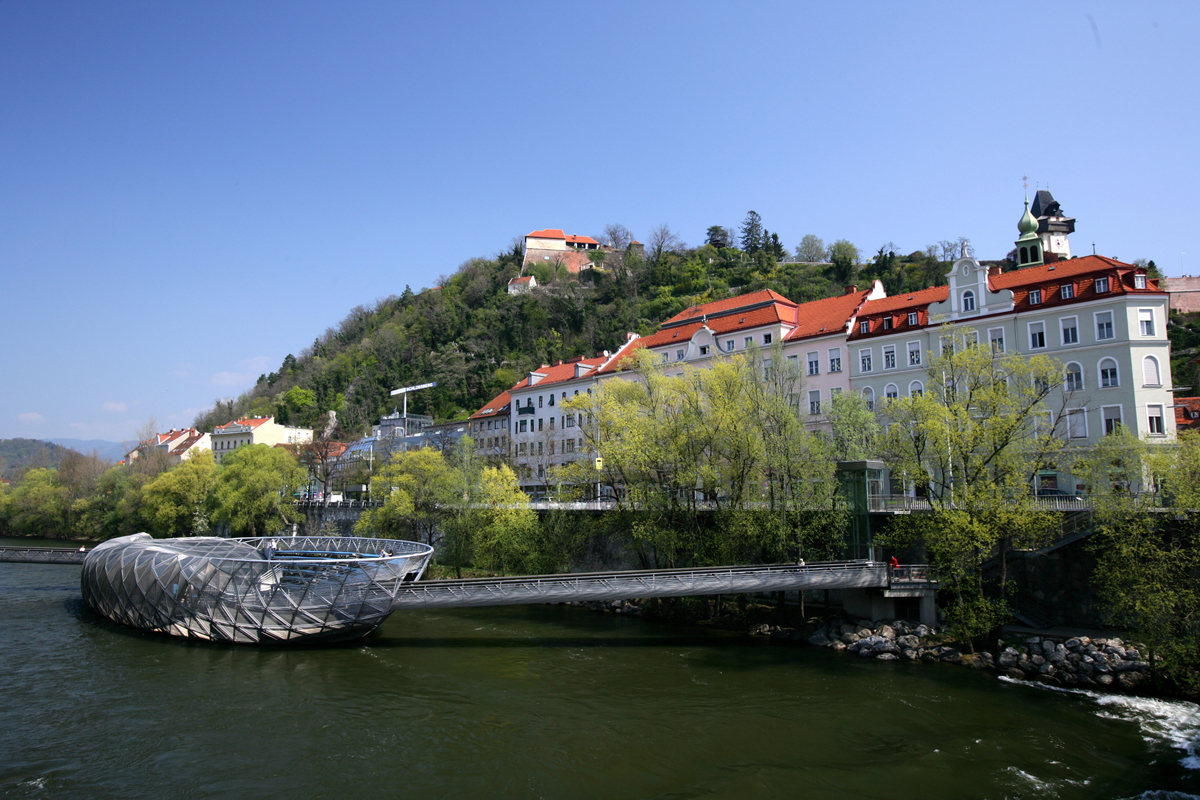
<point x="864" y="327"/>
<point x="912" y="318"/>
<point x="1139" y="281"/>
<point x="1066" y="291"/>
<point x="1101" y="285"/>
<point x="703" y="349"/>
<point x="968" y="303"/>
<point x="1035" y="297"/>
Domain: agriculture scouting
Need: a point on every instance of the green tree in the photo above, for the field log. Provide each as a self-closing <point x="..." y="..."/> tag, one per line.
<point x="1148" y="562"/>
<point x="752" y="233"/>
<point x="39" y="504"/>
<point x="505" y="525"/>
<point x="854" y="428"/>
<point x="254" y="487"/>
<point x="843" y="257"/>
<point x="973" y="441"/>
<point x="811" y="249"/>
<point x="415" y="487"/>
<point x="718" y="237"/>
<point x="178" y="500"/>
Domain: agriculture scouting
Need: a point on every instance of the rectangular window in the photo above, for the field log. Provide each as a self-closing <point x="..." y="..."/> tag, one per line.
<point x="540" y="448"/>
<point x="1037" y="335"/>
<point x="814" y="402"/>
<point x="766" y="338"/>
<point x="1066" y="291"/>
<point x="749" y="341"/>
<point x="864" y="326"/>
<point x="889" y="357"/>
<point x="793" y="364"/>
<point x="1101" y="285"/>
<point x="729" y="345"/>
<point x="914" y="354"/>
<point x="971" y="338"/>
<point x="947" y="345"/>
<point x="1074" y="378"/>
<point x="1035" y="297"/>
<point x="703" y="349"/>
<point x="551" y="448"/>
<point x="539" y="425"/>
<point x="1104" y="325"/>
<point x="767" y="372"/>
<point x="864" y="360"/>
<point x="1146" y="321"/>
<point x="666" y="356"/>
<point x="1155" y="418"/>
<point x="569" y="446"/>
<point x="1077" y="423"/>
<point x="887" y="322"/>
<point x="814" y="364"/>
<point x="1070" y="330"/>
<point x="891" y="392"/>
<point x="835" y="360"/>
<point x="1112" y="419"/>
<point x="912" y="318"/>
<point x="996" y="337"/>
<point x="679" y="355"/>
<point x="522" y="427"/>
<point x="1139" y="281"/>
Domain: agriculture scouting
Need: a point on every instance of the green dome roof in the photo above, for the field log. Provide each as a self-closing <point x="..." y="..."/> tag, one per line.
<point x="1028" y="225"/>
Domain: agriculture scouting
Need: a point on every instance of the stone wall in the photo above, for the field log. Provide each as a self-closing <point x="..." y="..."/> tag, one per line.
<point x="1185" y="293"/>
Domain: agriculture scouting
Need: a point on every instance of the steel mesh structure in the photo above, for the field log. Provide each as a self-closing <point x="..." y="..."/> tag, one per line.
<point x="311" y="588"/>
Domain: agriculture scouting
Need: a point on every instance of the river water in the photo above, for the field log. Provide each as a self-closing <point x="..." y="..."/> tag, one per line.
<point x="540" y="702"/>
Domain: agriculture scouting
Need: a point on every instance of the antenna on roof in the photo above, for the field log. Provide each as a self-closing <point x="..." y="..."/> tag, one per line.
<point x="1093" y="248"/>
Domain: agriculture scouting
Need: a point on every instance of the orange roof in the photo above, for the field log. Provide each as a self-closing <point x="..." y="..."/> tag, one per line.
<point x="498" y="405"/>
<point x="898" y="307"/>
<point x="562" y="371"/>
<point x="549" y="233"/>
<point x="1080" y="272"/>
<point x="248" y="422"/>
<point x="730" y="305"/>
<point x="520" y="280"/>
<point x="823" y="317"/>
<point x="573" y="239"/>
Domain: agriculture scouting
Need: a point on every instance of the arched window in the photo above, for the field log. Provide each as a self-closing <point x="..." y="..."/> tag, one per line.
<point x="968" y="300"/>
<point x="1033" y="252"/>
<point x="1074" y="377"/>
<point x="552" y="400"/>
<point x="915" y="389"/>
<point x="869" y="396"/>
<point x="890" y="391"/>
<point x="1150" y="373"/>
<point x="1109" y="378"/>
<point x="1024" y="255"/>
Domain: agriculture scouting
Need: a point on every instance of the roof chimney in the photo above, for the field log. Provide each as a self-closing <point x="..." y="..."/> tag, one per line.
<point x="851" y="289"/>
<point x="995" y="269"/>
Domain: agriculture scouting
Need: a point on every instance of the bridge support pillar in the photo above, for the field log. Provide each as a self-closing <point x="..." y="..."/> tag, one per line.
<point x="886" y="604"/>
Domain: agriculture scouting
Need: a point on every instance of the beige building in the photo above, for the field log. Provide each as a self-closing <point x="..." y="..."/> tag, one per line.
<point x="255" y="430"/>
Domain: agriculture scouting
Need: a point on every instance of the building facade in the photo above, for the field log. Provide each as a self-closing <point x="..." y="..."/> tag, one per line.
<point x="255" y="430"/>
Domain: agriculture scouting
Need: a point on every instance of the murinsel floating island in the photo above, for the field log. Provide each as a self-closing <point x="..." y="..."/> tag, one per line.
<point x="311" y="588"/>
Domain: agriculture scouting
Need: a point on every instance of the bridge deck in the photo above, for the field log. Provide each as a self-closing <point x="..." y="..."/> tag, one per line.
<point x="41" y="555"/>
<point x="647" y="583"/>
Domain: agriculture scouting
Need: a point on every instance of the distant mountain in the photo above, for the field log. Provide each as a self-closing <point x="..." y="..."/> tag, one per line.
<point x="18" y="455"/>
<point x="109" y="451"/>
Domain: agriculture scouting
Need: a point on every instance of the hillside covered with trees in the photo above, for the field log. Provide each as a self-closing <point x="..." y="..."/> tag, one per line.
<point x="476" y="340"/>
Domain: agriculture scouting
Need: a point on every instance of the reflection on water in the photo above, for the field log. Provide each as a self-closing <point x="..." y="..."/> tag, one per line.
<point x="538" y="701"/>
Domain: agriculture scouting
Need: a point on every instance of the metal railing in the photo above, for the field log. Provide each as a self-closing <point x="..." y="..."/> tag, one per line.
<point x="41" y="555"/>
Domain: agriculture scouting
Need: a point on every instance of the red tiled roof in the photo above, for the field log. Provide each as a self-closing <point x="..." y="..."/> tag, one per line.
<point x="187" y="443"/>
<point x="560" y="372"/>
<point x="1081" y="273"/>
<point x="520" y="280"/>
<point x="498" y="405"/>
<point x="549" y="233"/>
<point x="250" y="422"/>
<point x="729" y="306"/>
<point x="823" y="317"/>
<point x="573" y="239"/>
<point x="898" y="307"/>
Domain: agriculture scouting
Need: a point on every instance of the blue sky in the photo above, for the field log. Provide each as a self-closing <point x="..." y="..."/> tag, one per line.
<point x="191" y="191"/>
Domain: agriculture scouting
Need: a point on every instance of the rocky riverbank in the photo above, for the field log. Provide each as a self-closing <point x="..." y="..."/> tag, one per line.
<point x="1101" y="663"/>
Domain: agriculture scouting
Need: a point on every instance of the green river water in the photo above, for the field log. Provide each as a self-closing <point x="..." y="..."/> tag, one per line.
<point x="540" y="702"/>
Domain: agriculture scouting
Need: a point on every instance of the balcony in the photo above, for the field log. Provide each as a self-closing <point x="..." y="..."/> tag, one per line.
<point x="525" y="410"/>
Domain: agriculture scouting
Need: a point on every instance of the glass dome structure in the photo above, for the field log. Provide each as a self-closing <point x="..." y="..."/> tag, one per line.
<point x="262" y="590"/>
